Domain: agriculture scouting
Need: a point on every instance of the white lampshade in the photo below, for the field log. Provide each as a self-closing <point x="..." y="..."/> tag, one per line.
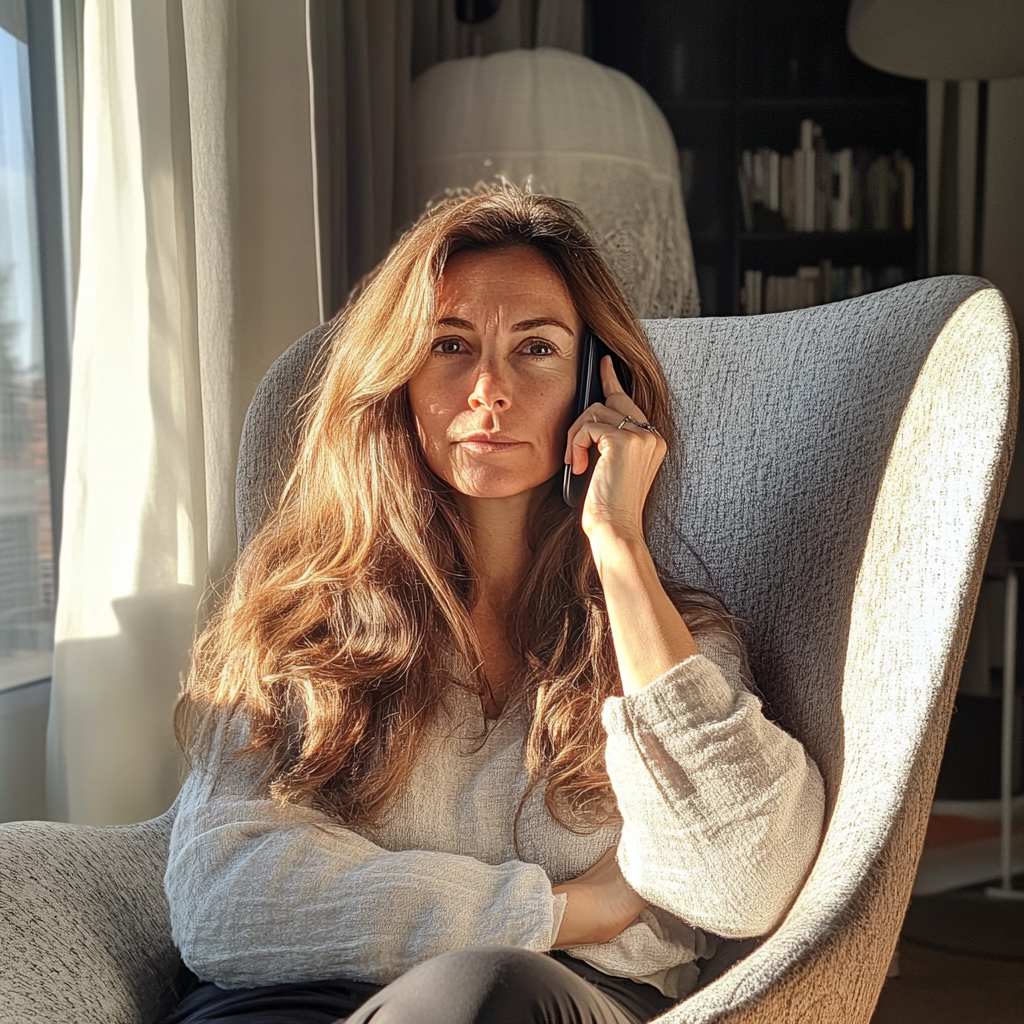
<point x="574" y="129"/>
<point x="955" y="40"/>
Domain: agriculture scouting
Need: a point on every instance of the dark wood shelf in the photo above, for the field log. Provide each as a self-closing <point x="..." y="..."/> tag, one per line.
<point x="695" y="104"/>
<point x="886" y="237"/>
<point x="732" y="75"/>
<point x="826" y="102"/>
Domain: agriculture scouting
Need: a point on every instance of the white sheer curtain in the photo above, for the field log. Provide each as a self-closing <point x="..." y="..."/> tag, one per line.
<point x="197" y="267"/>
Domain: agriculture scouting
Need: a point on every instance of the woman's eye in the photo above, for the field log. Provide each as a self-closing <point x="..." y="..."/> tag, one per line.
<point x="539" y="348"/>
<point x="448" y="346"/>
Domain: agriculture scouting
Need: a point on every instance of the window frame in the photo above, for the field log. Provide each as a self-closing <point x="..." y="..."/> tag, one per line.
<point x="54" y="80"/>
<point x="53" y="39"/>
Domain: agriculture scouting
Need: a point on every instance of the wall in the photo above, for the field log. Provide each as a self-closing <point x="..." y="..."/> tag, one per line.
<point x="1003" y="236"/>
<point x="23" y="711"/>
<point x="1003" y="254"/>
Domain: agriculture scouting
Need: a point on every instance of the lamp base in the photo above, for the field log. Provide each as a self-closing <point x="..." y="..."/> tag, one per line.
<point x="995" y="892"/>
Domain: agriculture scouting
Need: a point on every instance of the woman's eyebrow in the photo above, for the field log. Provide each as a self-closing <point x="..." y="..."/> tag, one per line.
<point x="542" y="321"/>
<point x="523" y="325"/>
<point x="455" y="321"/>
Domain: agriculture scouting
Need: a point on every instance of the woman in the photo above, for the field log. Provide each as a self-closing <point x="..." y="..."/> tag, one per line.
<point x="444" y="724"/>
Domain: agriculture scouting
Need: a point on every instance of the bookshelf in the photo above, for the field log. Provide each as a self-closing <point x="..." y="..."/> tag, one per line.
<point x="736" y="75"/>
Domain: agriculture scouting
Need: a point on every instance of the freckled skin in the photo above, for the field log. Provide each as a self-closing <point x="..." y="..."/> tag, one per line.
<point x="494" y="400"/>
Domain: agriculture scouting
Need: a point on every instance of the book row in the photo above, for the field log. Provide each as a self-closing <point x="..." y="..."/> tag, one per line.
<point x="813" y="189"/>
<point x="812" y="286"/>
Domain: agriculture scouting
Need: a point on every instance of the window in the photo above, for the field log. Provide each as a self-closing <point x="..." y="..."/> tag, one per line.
<point x="27" y="593"/>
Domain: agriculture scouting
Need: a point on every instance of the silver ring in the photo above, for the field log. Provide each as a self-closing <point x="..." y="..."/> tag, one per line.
<point x="640" y="426"/>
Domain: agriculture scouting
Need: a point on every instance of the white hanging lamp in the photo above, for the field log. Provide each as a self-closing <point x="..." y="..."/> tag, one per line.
<point x="954" y="40"/>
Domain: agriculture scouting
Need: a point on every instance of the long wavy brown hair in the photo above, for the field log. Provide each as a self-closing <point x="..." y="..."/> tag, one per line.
<point x="348" y="615"/>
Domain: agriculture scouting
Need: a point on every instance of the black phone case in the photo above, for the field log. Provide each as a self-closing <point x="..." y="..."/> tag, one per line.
<point x="588" y="391"/>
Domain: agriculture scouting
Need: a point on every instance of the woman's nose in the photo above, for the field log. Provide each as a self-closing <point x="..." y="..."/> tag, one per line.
<point x="490" y="390"/>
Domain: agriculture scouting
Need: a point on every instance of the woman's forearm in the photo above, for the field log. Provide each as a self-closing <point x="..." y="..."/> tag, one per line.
<point x="262" y="893"/>
<point x="650" y="635"/>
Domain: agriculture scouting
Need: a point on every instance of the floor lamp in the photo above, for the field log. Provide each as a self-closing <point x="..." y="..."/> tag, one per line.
<point x="954" y="41"/>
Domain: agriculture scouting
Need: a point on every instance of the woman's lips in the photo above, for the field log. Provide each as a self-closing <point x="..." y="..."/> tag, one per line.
<point x="484" y="444"/>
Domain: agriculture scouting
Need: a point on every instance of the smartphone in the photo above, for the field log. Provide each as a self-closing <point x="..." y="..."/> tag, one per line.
<point x="588" y="391"/>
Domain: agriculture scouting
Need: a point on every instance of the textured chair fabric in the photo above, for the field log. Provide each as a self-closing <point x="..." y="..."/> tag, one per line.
<point x="85" y="931"/>
<point x="843" y="471"/>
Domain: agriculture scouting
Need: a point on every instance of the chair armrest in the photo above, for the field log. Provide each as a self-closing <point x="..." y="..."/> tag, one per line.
<point x="85" y="931"/>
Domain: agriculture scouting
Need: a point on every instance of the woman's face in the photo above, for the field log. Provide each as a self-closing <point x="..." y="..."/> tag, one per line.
<point x="494" y="400"/>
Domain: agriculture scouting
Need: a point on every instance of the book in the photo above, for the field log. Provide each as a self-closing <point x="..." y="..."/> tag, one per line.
<point x="828" y="288"/>
<point x="822" y="183"/>
<point x="812" y="286"/>
<point x="798" y="189"/>
<point x="809" y="134"/>
<point x="859" y="218"/>
<point x="905" y="172"/>
<point x="879" y="191"/>
<point x="746" y="177"/>
<point x="787" y="194"/>
<point x="751" y="293"/>
<point x="815" y="189"/>
<point x="808" y="286"/>
<point x="842" y="174"/>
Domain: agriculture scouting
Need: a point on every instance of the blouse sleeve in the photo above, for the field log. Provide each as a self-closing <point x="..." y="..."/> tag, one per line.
<point x="722" y="810"/>
<point x="262" y="893"/>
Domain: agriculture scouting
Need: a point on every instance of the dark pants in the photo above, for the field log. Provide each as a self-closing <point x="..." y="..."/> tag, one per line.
<point x="480" y="985"/>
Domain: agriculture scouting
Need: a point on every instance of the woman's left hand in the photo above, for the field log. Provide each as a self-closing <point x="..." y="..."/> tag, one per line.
<point x="648" y="631"/>
<point x="630" y="457"/>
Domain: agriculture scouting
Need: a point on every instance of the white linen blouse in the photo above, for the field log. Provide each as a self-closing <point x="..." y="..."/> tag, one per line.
<point x="721" y="818"/>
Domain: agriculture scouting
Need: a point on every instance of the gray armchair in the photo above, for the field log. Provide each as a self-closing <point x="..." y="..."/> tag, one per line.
<point x="844" y="467"/>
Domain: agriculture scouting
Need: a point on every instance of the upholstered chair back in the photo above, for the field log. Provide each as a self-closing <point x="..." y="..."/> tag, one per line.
<point x="836" y="481"/>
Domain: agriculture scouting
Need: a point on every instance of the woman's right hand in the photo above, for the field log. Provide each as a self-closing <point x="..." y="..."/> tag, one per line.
<point x="600" y="905"/>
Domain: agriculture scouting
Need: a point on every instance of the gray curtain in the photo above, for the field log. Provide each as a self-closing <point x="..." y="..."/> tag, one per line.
<point x="516" y="25"/>
<point x="360" y="68"/>
<point x="363" y="56"/>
